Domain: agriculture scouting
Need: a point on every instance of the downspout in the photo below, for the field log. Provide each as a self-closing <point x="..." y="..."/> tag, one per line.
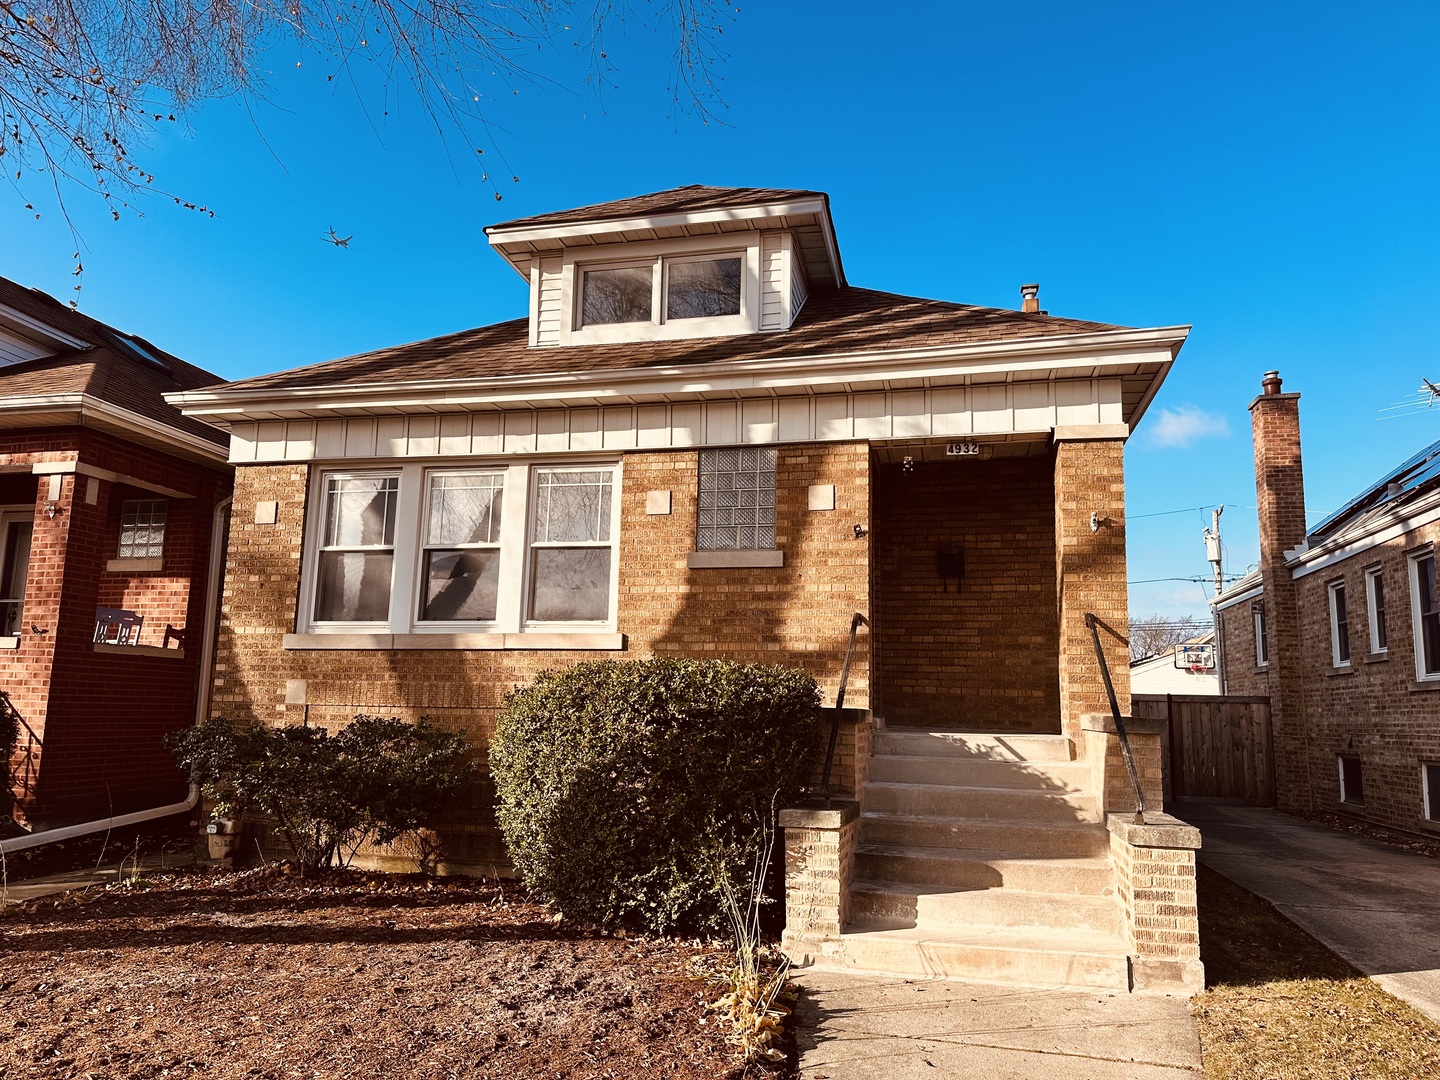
<point x="218" y="529"/>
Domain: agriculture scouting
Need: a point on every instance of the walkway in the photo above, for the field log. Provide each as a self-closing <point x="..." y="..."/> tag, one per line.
<point x="855" y="1027"/>
<point x="1374" y="904"/>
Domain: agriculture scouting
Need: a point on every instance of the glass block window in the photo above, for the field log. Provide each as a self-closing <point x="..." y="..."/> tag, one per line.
<point x="357" y="552"/>
<point x="570" y="546"/>
<point x="462" y="546"/>
<point x="737" y="500"/>
<point x="142" y="528"/>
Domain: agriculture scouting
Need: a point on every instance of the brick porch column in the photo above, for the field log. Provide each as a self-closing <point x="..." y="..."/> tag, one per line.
<point x="1280" y="499"/>
<point x="1090" y="575"/>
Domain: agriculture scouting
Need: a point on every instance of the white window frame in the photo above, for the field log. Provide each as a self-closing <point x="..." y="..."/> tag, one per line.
<point x="530" y="546"/>
<point x="1375" y="575"/>
<point x="1413" y="561"/>
<point x="659" y="254"/>
<point x="1336" y="594"/>
<point x="164" y="528"/>
<point x="407" y="582"/>
<point x="1262" y="637"/>
<point x="1340" y="760"/>
<point x="1425" y="794"/>
<point x="11" y="515"/>
<point x="422" y="547"/>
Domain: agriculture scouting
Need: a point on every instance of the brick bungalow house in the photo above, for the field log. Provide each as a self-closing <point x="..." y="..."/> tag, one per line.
<point x="1340" y="626"/>
<point x="703" y="441"/>
<point x="108" y="500"/>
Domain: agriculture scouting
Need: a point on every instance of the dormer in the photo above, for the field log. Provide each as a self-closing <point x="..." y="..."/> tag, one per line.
<point x="690" y="262"/>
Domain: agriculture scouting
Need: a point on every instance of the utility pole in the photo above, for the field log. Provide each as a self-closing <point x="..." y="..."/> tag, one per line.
<point x="1215" y="555"/>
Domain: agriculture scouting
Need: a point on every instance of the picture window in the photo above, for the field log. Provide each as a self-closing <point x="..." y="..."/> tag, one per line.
<point x="703" y="288"/>
<point x="620" y="295"/>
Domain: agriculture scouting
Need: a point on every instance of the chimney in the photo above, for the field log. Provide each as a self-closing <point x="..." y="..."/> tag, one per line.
<point x="1030" y="298"/>
<point x="1279" y="478"/>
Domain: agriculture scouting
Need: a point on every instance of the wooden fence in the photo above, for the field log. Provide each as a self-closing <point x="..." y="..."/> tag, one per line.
<point x="1217" y="747"/>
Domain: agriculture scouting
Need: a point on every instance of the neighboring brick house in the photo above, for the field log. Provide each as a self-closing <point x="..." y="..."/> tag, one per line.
<point x="1340" y="627"/>
<point x="701" y="442"/>
<point x="108" y="497"/>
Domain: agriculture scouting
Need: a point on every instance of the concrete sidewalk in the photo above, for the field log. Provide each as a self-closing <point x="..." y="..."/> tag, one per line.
<point x="1376" y="905"/>
<point x="855" y="1027"/>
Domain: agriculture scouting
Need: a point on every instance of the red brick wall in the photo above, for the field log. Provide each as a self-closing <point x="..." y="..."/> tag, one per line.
<point x="797" y="615"/>
<point x="982" y="656"/>
<point x="99" y="718"/>
<point x="1237" y="653"/>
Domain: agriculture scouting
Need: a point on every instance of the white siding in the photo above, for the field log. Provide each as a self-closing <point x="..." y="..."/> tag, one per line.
<point x="548" y="309"/>
<point x="14" y="348"/>
<point x="1024" y="409"/>
<point x="772" y="282"/>
<point x="799" y="285"/>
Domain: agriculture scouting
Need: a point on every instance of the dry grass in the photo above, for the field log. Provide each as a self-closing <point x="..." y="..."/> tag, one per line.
<point x="1280" y="1005"/>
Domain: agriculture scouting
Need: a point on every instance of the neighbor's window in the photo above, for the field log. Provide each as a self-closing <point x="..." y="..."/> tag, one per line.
<point x="570" y="546"/>
<point x="1375" y="601"/>
<point x="142" y="529"/>
<point x="737" y="500"/>
<point x="357" y="548"/>
<point x="1426" y="612"/>
<point x="461" y="547"/>
<point x="1339" y="626"/>
<point x="621" y="295"/>
<point x="1430" y="782"/>
<point x="1262" y="640"/>
<point x="702" y="288"/>
<point x="1352" y="785"/>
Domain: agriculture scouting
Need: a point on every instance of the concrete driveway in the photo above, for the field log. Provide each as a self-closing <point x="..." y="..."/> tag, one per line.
<point x="1376" y="905"/>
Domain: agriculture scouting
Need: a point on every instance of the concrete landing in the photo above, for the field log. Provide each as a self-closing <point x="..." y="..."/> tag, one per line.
<point x="1374" y="904"/>
<point x="855" y="1027"/>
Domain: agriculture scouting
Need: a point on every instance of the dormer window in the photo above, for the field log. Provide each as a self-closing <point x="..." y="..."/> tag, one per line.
<point x="677" y="287"/>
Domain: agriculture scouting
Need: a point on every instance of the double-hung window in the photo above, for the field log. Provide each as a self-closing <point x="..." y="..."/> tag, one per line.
<point x="1425" y="614"/>
<point x="1262" y="637"/>
<point x="1339" y="626"/>
<point x="479" y="549"/>
<point x="1375" y="602"/>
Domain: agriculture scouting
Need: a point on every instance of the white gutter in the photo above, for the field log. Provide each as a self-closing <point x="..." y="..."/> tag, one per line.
<point x="202" y="693"/>
<point x="89" y="406"/>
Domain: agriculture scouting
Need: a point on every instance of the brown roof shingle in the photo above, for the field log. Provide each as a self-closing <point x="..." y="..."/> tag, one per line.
<point x="845" y="320"/>
<point x="109" y="368"/>
<point x="691" y="198"/>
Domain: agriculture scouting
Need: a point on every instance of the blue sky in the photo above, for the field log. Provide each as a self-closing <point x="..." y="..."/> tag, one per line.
<point x="1265" y="172"/>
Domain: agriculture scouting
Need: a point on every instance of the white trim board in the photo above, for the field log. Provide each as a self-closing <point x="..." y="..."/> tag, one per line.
<point x="1424" y="512"/>
<point x="1036" y="408"/>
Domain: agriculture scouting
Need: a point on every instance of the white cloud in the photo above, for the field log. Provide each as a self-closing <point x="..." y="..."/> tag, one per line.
<point x="1185" y="424"/>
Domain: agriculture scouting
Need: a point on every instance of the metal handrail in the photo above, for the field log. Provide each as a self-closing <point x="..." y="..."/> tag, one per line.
<point x="1094" y="626"/>
<point x="24" y="778"/>
<point x="856" y="621"/>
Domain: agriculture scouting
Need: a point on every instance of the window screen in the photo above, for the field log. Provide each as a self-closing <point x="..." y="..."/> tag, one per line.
<point x="570" y="546"/>
<point x="357" y="552"/>
<point x="737" y="500"/>
<point x="462" y="546"/>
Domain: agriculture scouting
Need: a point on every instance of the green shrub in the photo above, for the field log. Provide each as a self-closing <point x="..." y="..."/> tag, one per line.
<point x="631" y="793"/>
<point x="376" y="779"/>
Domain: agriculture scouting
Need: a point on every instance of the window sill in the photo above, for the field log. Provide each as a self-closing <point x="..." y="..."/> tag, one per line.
<point x="735" y="559"/>
<point x="1422" y="685"/>
<point x="1377" y="657"/>
<point x="10" y="642"/>
<point x="1427" y="825"/>
<point x="133" y="566"/>
<point x="1336" y="672"/>
<point x="1261" y="669"/>
<point x="451" y="642"/>
<point x="138" y="650"/>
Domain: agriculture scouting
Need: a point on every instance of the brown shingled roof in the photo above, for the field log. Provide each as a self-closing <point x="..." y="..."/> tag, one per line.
<point x="846" y="320"/>
<point x="109" y="367"/>
<point x="691" y="198"/>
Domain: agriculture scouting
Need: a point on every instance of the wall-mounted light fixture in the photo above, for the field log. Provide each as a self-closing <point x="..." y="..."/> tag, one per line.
<point x="859" y="531"/>
<point x="1094" y="521"/>
<point x="51" y="509"/>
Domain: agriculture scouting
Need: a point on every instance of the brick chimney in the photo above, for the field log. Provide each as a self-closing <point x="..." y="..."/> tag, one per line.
<point x="1280" y="499"/>
<point x="1030" y="298"/>
<point x="1279" y="479"/>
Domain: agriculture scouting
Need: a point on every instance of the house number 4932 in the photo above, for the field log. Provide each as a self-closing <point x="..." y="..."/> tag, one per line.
<point x="962" y="449"/>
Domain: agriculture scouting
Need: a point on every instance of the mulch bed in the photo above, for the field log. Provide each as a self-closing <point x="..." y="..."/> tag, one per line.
<point x="257" y="973"/>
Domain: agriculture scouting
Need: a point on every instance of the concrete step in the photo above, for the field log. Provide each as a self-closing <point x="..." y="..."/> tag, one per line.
<point x="949" y="869"/>
<point x="1027" y="957"/>
<point x="988" y="804"/>
<point x="1022" y="838"/>
<point x="911" y="742"/>
<point x="892" y="905"/>
<point x="1060" y="776"/>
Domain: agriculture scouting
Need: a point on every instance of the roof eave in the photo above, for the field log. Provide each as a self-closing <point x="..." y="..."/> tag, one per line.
<point x="778" y="374"/>
<point x="91" y="411"/>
